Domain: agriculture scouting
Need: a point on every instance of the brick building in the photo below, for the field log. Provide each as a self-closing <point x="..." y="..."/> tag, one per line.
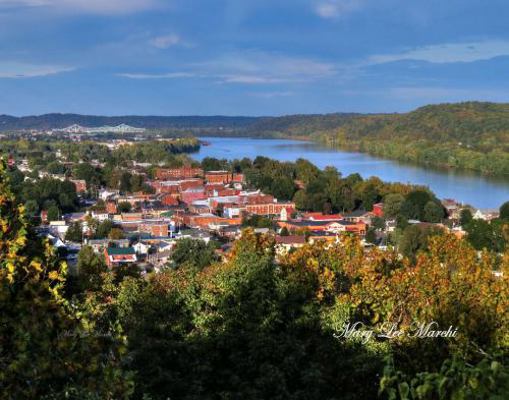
<point x="81" y="185"/>
<point x="269" y="208"/>
<point x="223" y="177"/>
<point x="184" y="172"/>
<point x="157" y="229"/>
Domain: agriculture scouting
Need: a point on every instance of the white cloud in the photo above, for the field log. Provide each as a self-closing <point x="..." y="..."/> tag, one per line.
<point x="168" y="75"/>
<point x="163" y="42"/>
<point x="249" y="79"/>
<point x="86" y="6"/>
<point x="271" y="95"/>
<point x="250" y="68"/>
<point x="255" y="67"/>
<point x="337" y="8"/>
<point x="448" y="52"/>
<point x="13" y="70"/>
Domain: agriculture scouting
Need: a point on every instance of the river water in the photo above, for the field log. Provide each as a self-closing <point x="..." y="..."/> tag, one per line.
<point x="467" y="187"/>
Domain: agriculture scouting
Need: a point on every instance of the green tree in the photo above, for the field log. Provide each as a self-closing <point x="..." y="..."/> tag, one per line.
<point x="415" y="238"/>
<point x="31" y="208"/>
<point x="54" y="213"/>
<point x="392" y="205"/>
<point x="75" y="232"/>
<point x="370" y="235"/>
<point x="504" y="211"/>
<point x="124" y="206"/>
<point x="193" y="253"/>
<point x="103" y="229"/>
<point x="485" y="235"/>
<point x="124" y="184"/>
<point x="213" y="164"/>
<point x="433" y="212"/>
<point x="48" y="346"/>
<point x="90" y="267"/>
<point x="413" y="206"/>
<point x="116" y="233"/>
<point x="456" y="379"/>
<point x="465" y="217"/>
<point x="87" y="172"/>
<point x="283" y="188"/>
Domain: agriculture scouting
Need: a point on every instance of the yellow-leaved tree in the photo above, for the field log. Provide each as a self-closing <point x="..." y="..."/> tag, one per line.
<point x="49" y="346"/>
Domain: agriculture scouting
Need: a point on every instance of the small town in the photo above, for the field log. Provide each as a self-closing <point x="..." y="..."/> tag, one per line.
<point x="254" y="200"/>
<point x="190" y="203"/>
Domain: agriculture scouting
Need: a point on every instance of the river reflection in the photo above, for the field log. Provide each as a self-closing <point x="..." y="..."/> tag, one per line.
<point x="471" y="188"/>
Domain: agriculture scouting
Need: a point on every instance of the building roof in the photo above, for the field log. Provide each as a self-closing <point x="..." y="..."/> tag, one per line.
<point x="117" y="251"/>
<point x="318" y="216"/>
<point x="356" y="213"/>
<point x="308" y="223"/>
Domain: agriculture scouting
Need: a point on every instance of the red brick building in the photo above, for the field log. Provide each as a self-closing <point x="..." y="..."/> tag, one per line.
<point x="155" y="229"/>
<point x="190" y="184"/>
<point x="268" y="208"/>
<point x="259" y="199"/>
<point x="168" y="199"/>
<point x="358" y="228"/>
<point x="191" y="195"/>
<point x="165" y="186"/>
<point x="238" y="178"/>
<point x="184" y="172"/>
<point x="218" y="177"/>
<point x="81" y="185"/>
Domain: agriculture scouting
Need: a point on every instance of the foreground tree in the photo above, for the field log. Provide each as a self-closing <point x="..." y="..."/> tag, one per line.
<point x="193" y="253"/>
<point x="48" y="347"/>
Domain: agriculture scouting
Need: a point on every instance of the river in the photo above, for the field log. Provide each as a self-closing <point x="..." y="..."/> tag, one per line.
<point x="466" y="187"/>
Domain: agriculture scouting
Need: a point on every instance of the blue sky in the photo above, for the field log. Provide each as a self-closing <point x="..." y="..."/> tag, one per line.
<point x="249" y="57"/>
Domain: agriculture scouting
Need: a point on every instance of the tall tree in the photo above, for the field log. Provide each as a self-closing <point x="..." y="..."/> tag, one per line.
<point x="48" y="346"/>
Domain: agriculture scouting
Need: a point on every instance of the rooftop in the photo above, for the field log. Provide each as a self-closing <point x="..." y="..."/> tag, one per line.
<point x="117" y="251"/>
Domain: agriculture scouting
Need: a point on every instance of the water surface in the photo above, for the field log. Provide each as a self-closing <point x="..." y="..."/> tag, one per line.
<point x="470" y="188"/>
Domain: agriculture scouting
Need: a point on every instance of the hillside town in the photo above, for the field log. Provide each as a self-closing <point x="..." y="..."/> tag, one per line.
<point x="188" y="202"/>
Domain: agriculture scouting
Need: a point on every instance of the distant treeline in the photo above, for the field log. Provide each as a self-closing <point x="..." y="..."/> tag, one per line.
<point x="58" y="121"/>
<point x="471" y="135"/>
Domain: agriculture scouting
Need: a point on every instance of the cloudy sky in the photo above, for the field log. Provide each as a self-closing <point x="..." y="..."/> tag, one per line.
<point x="249" y="57"/>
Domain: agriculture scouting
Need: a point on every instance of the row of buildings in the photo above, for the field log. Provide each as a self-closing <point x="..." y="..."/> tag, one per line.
<point x="206" y="205"/>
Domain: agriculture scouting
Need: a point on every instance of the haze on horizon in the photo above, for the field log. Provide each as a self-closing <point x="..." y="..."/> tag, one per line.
<point x="251" y="57"/>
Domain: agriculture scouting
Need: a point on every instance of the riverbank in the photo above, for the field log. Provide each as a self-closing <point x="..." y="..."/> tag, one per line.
<point x="466" y="187"/>
<point x="425" y="154"/>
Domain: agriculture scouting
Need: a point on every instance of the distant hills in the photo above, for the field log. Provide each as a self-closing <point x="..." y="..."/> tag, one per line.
<point x="469" y="135"/>
<point x="468" y="122"/>
<point x="59" y="121"/>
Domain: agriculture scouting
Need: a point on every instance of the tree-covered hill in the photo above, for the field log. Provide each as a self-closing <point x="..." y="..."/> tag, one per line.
<point x="57" y="121"/>
<point x="470" y="135"/>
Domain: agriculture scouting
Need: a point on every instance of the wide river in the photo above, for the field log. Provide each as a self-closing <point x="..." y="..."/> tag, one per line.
<point x="469" y="188"/>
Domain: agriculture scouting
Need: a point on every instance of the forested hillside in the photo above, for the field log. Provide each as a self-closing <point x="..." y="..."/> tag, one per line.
<point x="55" y="121"/>
<point x="473" y="135"/>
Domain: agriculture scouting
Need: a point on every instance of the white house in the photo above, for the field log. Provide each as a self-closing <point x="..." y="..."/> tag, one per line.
<point x="141" y="248"/>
